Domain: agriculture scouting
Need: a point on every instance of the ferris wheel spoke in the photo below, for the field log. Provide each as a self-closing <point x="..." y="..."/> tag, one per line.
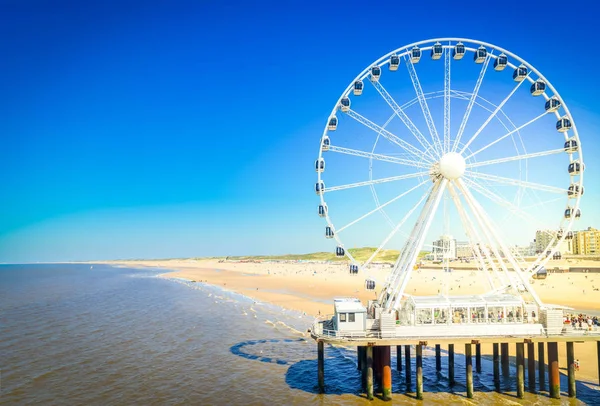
<point x="437" y="143"/>
<point x="447" y="99"/>
<point x="397" y="228"/>
<point x="403" y="117"/>
<point x="517" y="182"/>
<point x="388" y="135"/>
<point x="506" y="135"/>
<point x="491" y="116"/>
<point x="467" y="114"/>
<point x="379" y="207"/>
<point x="378" y="157"/>
<point x="517" y="158"/>
<point x="375" y="181"/>
<point x="521" y="213"/>
<point x="494" y="197"/>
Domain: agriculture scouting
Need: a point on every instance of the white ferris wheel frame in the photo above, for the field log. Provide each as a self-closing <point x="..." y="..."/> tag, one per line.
<point x="435" y="146"/>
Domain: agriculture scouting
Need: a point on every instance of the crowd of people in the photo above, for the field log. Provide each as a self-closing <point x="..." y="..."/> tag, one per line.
<point x="582" y="321"/>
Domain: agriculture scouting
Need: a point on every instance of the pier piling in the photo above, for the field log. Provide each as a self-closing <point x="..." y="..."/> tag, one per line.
<point x="469" y="369"/>
<point x="496" y="359"/>
<point x="541" y="366"/>
<point x="369" y="377"/>
<point x="478" y="357"/>
<point x="553" y="371"/>
<point x="598" y="356"/>
<point x="407" y="366"/>
<point x="504" y="359"/>
<point x="386" y="373"/>
<point x="438" y="357"/>
<point x="419" y="367"/>
<point x="399" y="358"/>
<point x="451" y="364"/>
<point x="531" y="366"/>
<point x="520" y="370"/>
<point x="359" y="358"/>
<point x="321" y="365"/>
<point x="363" y="369"/>
<point x="571" y="369"/>
<point x="377" y="367"/>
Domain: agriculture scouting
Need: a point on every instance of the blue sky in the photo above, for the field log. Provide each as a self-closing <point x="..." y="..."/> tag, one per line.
<point x="148" y="129"/>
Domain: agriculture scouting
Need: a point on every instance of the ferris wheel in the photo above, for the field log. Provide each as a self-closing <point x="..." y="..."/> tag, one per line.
<point x="457" y="138"/>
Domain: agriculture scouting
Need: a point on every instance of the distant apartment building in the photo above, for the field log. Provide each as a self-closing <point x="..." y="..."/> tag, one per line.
<point x="444" y="248"/>
<point x="586" y="242"/>
<point x="463" y="249"/>
<point x="523" y="251"/>
<point x="543" y="238"/>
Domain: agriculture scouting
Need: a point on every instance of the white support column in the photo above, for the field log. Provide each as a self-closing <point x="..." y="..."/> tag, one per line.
<point x="434" y="202"/>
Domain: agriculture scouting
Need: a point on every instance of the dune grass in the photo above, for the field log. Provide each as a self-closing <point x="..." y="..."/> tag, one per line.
<point x="360" y="254"/>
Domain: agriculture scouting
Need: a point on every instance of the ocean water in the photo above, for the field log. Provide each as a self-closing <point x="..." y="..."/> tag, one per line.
<point x="71" y="335"/>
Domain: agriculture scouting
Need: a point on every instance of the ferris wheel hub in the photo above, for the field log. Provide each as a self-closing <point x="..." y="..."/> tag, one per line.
<point x="452" y="165"/>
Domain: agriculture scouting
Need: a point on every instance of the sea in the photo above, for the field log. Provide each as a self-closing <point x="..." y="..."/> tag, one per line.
<point x="73" y="334"/>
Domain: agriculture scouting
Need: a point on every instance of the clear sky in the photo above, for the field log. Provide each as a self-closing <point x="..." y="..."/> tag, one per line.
<point x="153" y="129"/>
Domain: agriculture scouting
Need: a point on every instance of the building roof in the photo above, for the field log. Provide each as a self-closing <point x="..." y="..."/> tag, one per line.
<point x="353" y="305"/>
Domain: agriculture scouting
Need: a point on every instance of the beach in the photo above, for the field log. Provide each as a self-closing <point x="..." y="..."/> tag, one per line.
<point x="310" y="288"/>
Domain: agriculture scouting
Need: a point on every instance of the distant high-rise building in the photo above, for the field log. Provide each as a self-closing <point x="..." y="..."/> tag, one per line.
<point x="586" y="242"/>
<point x="543" y="239"/>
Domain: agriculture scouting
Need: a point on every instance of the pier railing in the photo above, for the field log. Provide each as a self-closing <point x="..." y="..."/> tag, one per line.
<point x="322" y="327"/>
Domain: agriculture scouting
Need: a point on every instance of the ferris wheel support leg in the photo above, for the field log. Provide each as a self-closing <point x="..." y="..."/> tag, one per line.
<point x="480" y="218"/>
<point x="506" y="251"/>
<point x="396" y="272"/>
<point x="434" y="202"/>
<point x="472" y="234"/>
<point x="401" y="265"/>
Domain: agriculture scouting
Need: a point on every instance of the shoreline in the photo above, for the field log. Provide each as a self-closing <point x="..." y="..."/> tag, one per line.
<point x="309" y="289"/>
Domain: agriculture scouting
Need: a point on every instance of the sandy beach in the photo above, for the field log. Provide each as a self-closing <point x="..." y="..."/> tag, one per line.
<point x="310" y="288"/>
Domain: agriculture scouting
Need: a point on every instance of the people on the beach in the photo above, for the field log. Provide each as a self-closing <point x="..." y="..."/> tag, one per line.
<point x="582" y="321"/>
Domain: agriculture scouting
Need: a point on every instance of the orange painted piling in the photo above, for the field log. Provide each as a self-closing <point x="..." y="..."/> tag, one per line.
<point x="386" y="373"/>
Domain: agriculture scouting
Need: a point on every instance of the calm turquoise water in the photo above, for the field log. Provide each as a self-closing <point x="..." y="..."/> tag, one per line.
<point x="104" y="336"/>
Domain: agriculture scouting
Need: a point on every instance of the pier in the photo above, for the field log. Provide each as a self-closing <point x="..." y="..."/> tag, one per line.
<point x="374" y="350"/>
